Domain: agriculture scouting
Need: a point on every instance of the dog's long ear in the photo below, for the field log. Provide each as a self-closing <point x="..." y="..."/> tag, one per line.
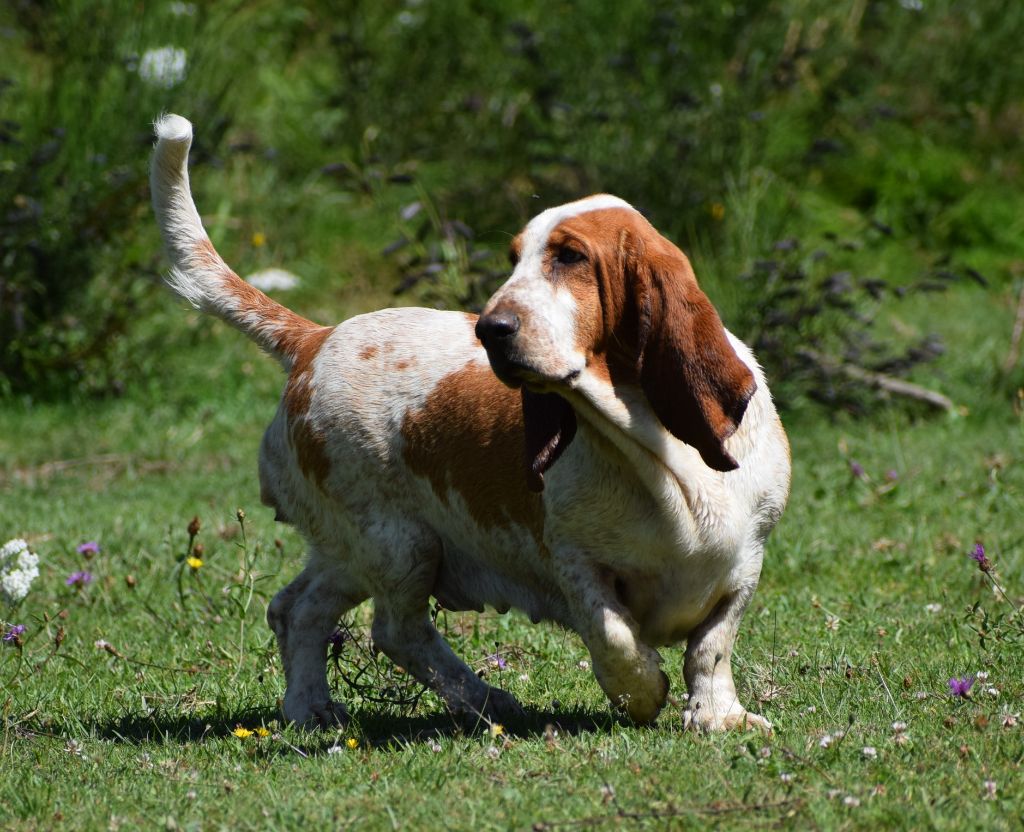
<point x="550" y="424"/>
<point x="689" y="371"/>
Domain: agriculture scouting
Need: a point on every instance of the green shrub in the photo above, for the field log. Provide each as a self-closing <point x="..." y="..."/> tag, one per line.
<point x="77" y="244"/>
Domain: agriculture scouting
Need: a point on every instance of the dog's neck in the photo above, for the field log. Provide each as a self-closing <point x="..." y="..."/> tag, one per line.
<point x="671" y="472"/>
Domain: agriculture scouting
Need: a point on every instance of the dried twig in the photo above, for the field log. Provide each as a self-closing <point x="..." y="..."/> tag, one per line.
<point x="881" y="381"/>
<point x="1013" y="356"/>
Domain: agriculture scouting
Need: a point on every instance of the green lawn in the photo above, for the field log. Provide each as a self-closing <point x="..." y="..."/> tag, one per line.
<point x="868" y="605"/>
<point x="883" y="136"/>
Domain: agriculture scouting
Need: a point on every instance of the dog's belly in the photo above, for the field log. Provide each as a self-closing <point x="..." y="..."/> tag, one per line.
<point x="465" y="581"/>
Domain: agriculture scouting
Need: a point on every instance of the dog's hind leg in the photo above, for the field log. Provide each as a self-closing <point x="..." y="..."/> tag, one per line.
<point x="409" y="638"/>
<point x="302" y="615"/>
<point x="402" y="629"/>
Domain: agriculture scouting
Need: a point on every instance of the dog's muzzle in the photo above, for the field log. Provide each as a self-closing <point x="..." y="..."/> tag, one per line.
<point x="497" y="332"/>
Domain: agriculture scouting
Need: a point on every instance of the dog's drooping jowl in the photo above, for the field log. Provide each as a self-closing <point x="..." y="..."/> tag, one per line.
<point x="595" y="449"/>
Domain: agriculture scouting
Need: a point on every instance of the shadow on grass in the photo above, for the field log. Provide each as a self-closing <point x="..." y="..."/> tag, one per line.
<point x="378" y="728"/>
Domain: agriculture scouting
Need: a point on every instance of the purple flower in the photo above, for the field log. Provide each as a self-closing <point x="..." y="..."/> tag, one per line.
<point x="978" y="554"/>
<point x="497" y="661"/>
<point x="857" y="469"/>
<point x="961" y="686"/>
<point x="88" y="549"/>
<point x="13" y="632"/>
<point x="79" y="579"/>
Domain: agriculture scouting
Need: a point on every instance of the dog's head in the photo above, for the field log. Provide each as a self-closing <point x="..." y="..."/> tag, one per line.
<point x="595" y="287"/>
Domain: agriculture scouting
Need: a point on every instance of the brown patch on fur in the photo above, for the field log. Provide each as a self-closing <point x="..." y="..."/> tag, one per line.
<point x="368" y="352"/>
<point x="469" y="437"/>
<point x="309" y="442"/>
<point x="403" y="364"/>
<point x="642" y="310"/>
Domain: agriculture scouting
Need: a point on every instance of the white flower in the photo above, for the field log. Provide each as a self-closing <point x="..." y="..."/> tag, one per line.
<point x="933" y="608"/>
<point x="12" y="547"/>
<point x="990" y="790"/>
<point x="786" y="778"/>
<point x="163" y="67"/>
<point x="981" y="676"/>
<point x="270" y="280"/>
<point x="899" y="727"/>
<point x="851" y="801"/>
<point x="869" y="752"/>
<point x="583" y="665"/>
<point x="825" y="741"/>
<point x="18" y="568"/>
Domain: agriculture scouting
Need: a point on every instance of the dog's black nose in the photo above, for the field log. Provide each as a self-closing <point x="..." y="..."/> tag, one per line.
<point x="492" y="328"/>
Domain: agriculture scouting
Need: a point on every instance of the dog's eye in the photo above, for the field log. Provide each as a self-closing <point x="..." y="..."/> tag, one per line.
<point x="566" y="256"/>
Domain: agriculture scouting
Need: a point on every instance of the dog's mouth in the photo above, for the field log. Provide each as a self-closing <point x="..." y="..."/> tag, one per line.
<point x="515" y="373"/>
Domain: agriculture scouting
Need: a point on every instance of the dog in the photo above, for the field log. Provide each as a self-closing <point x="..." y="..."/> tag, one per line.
<point x="594" y="449"/>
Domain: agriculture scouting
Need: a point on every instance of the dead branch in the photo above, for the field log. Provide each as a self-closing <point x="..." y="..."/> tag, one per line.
<point x="880" y="381"/>
<point x="1013" y="355"/>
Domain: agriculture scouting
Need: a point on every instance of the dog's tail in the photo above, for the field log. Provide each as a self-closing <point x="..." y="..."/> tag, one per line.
<point x="198" y="274"/>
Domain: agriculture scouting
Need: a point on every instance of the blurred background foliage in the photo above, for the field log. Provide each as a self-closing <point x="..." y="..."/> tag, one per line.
<point x="823" y="163"/>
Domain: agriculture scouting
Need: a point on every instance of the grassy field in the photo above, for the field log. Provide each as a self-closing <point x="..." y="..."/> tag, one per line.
<point x="869" y="604"/>
<point x="146" y="695"/>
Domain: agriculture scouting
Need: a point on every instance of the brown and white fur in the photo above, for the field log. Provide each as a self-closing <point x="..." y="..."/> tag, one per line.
<point x="621" y="481"/>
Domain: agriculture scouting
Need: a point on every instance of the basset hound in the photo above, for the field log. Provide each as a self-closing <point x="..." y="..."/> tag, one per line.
<point x="595" y="449"/>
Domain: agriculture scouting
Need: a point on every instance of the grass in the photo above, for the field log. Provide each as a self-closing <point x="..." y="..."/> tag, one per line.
<point x="120" y="707"/>
<point x="840" y="637"/>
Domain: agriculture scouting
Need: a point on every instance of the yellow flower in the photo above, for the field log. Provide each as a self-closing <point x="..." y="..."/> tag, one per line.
<point x="194" y="562"/>
<point x="497" y="729"/>
<point x="241" y="732"/>
<point x="717" y="211"/>
<point x="262" y="732"/>
<point x="352" y="742"/>
<point x="259" y="239"/>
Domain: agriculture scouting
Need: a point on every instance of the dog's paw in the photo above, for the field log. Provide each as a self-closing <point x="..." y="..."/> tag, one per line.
<point x="325" y="715"/>
<point x="694" y="720"/>
<point x="494" y="706"/>
<point x="643" y="706"/>
<point x="502" y="706"/>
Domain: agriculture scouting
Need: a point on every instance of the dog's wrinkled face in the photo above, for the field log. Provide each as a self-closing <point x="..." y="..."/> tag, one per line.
<point x="595" y="286"/>
<point x="537" y="326"/>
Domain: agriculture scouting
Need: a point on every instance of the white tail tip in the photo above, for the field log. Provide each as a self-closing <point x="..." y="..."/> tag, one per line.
<point x="172" y="128"/>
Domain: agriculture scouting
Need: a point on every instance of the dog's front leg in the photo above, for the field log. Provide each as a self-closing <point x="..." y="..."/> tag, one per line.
<point x="628" y="670"/>
<point x="713" y="704"/>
